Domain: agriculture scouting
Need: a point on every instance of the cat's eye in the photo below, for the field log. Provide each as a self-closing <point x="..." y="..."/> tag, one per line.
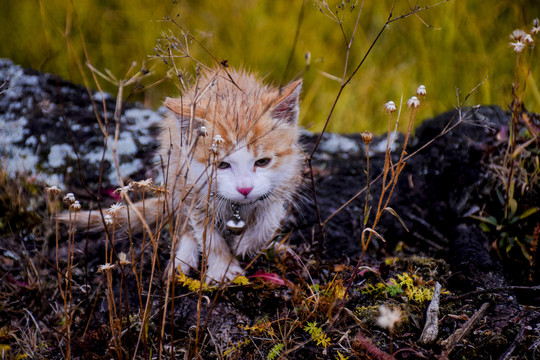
<point x="262" y="162"/>
<point x="223" y="165"/>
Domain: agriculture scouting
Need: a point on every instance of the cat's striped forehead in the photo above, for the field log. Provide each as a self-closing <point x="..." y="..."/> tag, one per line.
<point x="239" y="110"/>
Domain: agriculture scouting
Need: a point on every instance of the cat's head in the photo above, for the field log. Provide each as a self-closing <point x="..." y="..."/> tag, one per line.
<point x="244" y="134"/>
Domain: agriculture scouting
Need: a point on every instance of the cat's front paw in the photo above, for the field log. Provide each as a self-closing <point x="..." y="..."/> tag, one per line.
<point x="221" y="271"/>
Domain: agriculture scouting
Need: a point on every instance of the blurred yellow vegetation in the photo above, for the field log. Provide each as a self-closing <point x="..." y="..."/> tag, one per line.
<point x="453" y="45"/>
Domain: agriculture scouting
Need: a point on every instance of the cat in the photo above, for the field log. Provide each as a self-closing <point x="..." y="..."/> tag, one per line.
<point x="232" y="166"/>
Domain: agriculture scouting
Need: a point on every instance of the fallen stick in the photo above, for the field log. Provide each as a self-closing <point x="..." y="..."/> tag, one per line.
<point x="454" y="339"/>
<point x="512" y="347"/>
<point x="489" y="291"/>
<point x="431" y="328"/>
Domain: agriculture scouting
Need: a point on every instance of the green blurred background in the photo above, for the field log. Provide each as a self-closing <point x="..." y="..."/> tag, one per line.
<point x="453" y="45"/>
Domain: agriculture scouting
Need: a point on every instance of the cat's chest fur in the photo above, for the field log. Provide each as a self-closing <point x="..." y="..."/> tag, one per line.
<point x="231" y="147"/>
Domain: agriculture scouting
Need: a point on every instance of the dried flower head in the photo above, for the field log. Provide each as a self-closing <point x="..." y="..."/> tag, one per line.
<point x="143" y="184"/>
<point x="518" y="46"/>
<point x="160" y="190"/>
<point x="108" y="219"/>
<point x="122" y="191"/>
<point x="75" y="206"/>
<point x="69" y="198"/>
<point x="307" y="57"/>
<point x="536" y="27"/>
<point x="367" y="137"/>
<point x="202" y="131"/>
<point x="413" y="102"/>
<point x="105" y="267"/>
<point x="421" y="91"/>
<point x="388" y="317"/>
<point x="122" y="259"/>
<point x="53" y="190"/>
<point x="518" y="35"/>
<point x="214" y="148"/>
<point x="218" y="140"/>
<point x="390" y="107"/>
<point x="115" y="208"/>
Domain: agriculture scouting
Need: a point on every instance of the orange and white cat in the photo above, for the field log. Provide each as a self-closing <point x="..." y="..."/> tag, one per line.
<point x="232" y="166"/>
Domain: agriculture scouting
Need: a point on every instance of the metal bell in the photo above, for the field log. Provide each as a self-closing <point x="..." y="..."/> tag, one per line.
<point x="236" y="225"/>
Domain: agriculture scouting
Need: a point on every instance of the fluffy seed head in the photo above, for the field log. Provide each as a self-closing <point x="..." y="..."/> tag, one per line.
<point x="388" y="317"/>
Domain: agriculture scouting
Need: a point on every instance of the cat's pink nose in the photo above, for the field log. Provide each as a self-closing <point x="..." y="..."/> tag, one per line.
<point x="244" y="191"/>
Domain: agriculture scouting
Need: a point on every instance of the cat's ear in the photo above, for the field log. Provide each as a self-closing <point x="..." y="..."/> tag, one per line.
<point x="182" y="114"/>
<point x="286" y="107"/>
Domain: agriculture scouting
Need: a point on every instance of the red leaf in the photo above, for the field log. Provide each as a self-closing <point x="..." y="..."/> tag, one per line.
<point x="270" y="277"/>
<point x="111" y="193"/>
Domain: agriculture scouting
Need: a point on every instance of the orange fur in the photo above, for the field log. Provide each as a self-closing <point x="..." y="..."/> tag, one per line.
<point x="226" y="117"/>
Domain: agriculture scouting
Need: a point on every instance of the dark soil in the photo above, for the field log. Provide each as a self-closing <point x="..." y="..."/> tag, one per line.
<point x="440" y="191"/>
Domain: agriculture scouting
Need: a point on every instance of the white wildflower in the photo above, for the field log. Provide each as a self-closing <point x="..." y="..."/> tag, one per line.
<point x="518" y="35"/>
<point x="122" y="259"/>
<point x="388" y="317"/>
<point x="115" y="208"/>
<point x="413" y="102"/>
<point x="105" y="267"/>
<point x="536" y="27"/>
<point x="421" y="90"/>
<point x="108" y="219"/>
<point x="390" y="107"/>
<point x="518" y="46"/>
<point x="527" y="39"/>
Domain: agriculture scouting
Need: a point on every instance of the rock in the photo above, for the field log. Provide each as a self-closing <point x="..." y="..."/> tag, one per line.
<point x="48" y="128"/>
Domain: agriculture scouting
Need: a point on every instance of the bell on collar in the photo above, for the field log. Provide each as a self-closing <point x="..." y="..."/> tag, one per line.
<point x="236" y="225"/>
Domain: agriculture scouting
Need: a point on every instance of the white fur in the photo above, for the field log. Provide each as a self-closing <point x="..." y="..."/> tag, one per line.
<point x="213" y="190"/>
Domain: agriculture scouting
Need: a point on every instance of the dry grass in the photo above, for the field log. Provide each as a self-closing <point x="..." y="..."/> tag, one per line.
<point x="139" y="309"/>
